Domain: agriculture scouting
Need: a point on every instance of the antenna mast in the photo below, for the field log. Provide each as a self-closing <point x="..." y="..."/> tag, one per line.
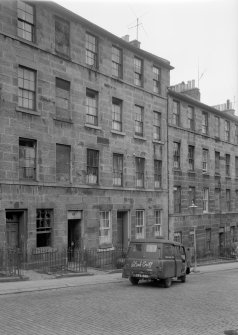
<point x="137" y="27"/>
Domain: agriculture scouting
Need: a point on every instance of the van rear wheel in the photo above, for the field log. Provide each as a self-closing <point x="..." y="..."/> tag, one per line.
<point x="134" y="280"/>
<point x="167" y="282"/>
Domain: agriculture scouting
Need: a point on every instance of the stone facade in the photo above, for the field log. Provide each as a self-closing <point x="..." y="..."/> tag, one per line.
<point x="49" y="202"/>
<point x="203" y="174"/>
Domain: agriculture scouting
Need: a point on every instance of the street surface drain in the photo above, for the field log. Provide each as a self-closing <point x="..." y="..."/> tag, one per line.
<point x="231" y="332"/>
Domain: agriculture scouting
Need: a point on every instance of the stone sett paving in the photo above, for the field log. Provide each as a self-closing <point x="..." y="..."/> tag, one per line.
<point x="206" y="305"/>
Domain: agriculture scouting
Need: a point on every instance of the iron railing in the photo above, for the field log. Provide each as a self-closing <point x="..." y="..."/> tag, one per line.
<point x="76" y="260"/>
<point x="10" y="262"/>
<point x="50" y="260"/>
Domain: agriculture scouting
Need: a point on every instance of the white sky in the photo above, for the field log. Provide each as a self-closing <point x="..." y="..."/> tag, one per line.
<point x="191" y="34"/>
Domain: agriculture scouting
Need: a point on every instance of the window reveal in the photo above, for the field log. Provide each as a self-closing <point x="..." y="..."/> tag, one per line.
<point x="91" y="50"/>
<point x="62" y="163"/>
<point x="44" y="218"/>
<point x="91" y="107"/>
<point x="92" y="166"/>
<point x="105" y="229"/>
<point x="62" y="36"/>
<point x="26" y="88"/>
<point x="25" y="21"/>
<point x="27" y="159"/>
<point x="62" y="98"/>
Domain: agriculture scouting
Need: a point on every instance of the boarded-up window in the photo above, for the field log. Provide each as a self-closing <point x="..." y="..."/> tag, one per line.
<point x="62" y="36"/>
<point x="62" y="163"/>
<point x="62" y="98"/>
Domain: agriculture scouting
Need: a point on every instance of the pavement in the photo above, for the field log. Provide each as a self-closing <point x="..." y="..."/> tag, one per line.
<point x="92" y="277"/>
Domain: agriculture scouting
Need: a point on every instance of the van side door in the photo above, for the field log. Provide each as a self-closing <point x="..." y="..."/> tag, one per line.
<point x="178" y="260"/>
<point x="169" y="265"/>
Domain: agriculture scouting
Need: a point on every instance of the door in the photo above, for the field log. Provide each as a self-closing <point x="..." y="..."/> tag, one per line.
<point x="180" y="259"/>
<point x="74" y="234"/>
<point x="169" y="261"/>
<point x="222" y="243"/>
<point x="12" y="230"/>
<point x="123" y="234"/>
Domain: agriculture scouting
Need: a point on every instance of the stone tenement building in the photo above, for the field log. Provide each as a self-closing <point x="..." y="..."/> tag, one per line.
<point x="203" y="171"/>
<point x="83" y="135"/>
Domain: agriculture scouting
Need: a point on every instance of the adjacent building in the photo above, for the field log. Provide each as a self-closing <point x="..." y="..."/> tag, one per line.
<point x="83" y="133"/>
<point x="203" y="171"/>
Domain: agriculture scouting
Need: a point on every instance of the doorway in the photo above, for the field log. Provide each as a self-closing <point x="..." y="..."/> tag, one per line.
<point x="74" y="234"/>
<point x="221" y="243"/>
<point x="15" y="234"/>
<point x="123" y="229"/>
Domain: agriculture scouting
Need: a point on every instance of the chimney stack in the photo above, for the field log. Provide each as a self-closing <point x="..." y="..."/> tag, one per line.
<point x="126" y="38"/>
<point x="188" y="89"/>
<point x="135" y="43"/>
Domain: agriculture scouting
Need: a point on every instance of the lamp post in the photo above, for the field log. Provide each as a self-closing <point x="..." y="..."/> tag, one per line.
<point x="193" y="206"/>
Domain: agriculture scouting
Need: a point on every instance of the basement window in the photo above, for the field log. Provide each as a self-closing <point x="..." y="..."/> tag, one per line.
<point x="44" y="219"/>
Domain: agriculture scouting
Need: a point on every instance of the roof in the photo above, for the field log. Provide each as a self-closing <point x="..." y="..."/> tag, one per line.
<point x="183" y="96"/>
<point x="98" y="30"/>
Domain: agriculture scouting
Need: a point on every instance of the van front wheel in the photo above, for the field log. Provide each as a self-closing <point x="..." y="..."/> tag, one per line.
<point x="167" y="282"/>
<point x="134" y="280"/>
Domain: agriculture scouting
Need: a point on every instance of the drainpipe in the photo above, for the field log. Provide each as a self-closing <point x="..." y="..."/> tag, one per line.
<point x="167" y="120"/>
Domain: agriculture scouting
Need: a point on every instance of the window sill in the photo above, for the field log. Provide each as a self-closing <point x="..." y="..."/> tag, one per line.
<point x="28" y="181"/>
<point x="120" y="79"/>
<point x="21" y="39"/>
<point x="88" y="125"/>
<point x="92" y="67"/>
<point x="61" y="55"/>
<point x="136" y="137"/>
<point x="105" y="247"/>
<point x="44" y="250"/>
<point x="176" y="170"/>
<point x="27" y="111"/>
<point x="118" y="132"/>
<point x="63" y="120"/>
<point x="158" y="141"/>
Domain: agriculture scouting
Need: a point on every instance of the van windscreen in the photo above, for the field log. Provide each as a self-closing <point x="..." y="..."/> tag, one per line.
<point x="151" y="250"/>
<point x="136" y="247"/>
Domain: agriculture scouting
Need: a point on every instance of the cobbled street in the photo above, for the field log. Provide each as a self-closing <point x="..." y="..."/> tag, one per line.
<point x="206" y="304"/>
